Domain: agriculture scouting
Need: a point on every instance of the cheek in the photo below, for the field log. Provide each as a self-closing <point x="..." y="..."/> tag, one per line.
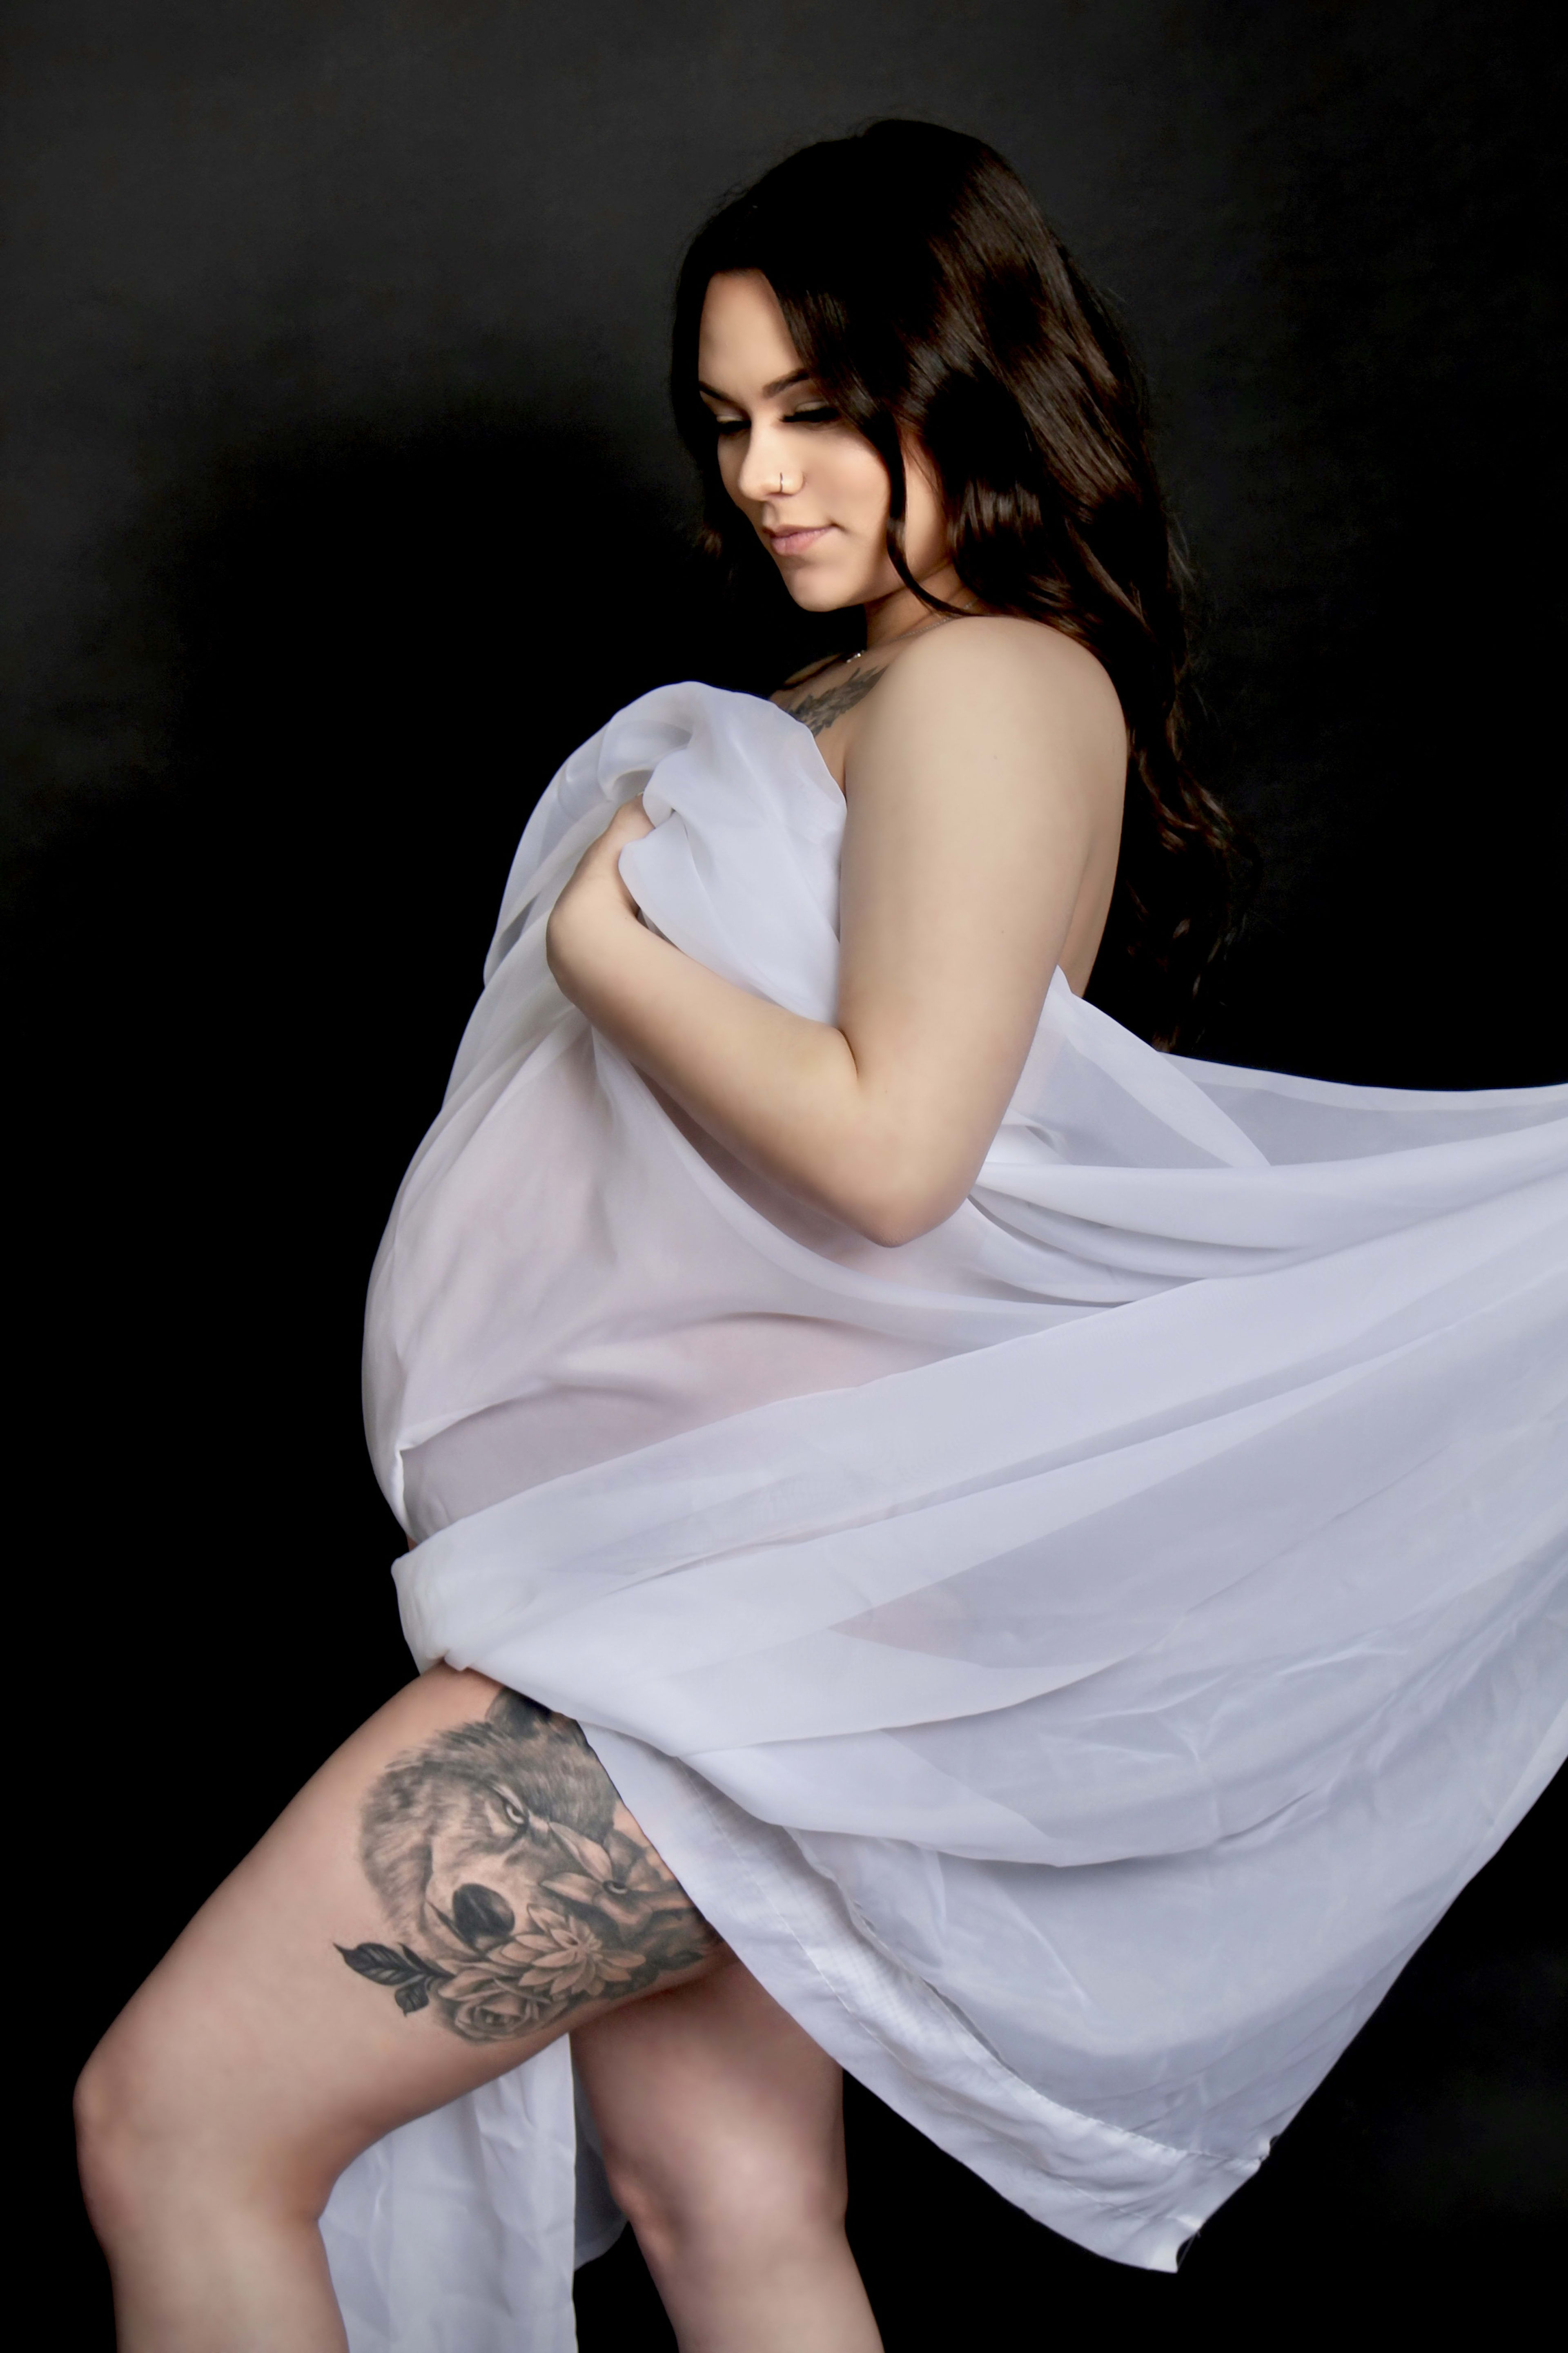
<point x="851" y="483"/>
<point x="729" y="470"/>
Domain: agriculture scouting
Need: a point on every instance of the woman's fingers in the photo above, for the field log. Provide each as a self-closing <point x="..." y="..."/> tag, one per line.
<point x="630" y="822"/>
<point x="595" y="898"/>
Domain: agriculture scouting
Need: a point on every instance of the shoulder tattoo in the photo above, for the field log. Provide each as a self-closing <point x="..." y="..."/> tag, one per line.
<point x="819" y="711"/>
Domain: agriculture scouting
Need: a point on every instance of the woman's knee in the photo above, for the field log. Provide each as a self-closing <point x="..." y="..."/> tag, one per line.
<point x="122" y="2131"/>
<point x="154" y="2136"/>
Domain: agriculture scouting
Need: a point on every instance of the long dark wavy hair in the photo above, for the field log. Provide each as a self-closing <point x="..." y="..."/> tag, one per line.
<point x="925" y="293"/>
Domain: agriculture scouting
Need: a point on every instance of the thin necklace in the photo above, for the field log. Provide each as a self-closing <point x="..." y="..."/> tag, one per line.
<point x="927" y="621"/>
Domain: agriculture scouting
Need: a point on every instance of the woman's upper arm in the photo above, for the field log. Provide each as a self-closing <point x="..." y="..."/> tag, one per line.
<point x="985" y="782"/>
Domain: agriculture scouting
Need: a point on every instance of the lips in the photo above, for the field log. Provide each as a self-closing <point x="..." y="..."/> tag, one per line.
<point x="796" y="542"/>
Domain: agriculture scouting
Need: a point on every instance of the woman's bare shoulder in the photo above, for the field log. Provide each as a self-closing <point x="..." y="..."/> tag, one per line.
<point x="992" y="667"/>
<point x="996" y="648"/>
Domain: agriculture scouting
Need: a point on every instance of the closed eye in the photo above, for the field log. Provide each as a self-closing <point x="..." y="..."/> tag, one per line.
<point x="725" y="427"/>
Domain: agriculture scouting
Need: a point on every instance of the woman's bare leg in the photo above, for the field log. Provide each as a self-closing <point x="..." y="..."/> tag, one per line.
<point x="723" y="2127"/>
<point x="456" y="1887"/>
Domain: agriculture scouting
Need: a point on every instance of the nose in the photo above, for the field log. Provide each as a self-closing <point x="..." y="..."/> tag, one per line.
<point x="481" y="1916"/>
<point x="766" y="463"/>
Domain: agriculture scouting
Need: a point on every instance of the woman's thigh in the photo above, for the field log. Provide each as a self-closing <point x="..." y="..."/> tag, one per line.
<point x="717" y="2112"/>
<point x="457" y="1885"/>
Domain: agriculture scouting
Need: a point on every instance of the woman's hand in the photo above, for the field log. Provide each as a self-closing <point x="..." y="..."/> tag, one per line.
<point x="594" y="908"/>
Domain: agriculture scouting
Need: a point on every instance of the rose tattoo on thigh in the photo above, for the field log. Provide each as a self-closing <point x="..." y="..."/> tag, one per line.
<point x="512" y="1893"/>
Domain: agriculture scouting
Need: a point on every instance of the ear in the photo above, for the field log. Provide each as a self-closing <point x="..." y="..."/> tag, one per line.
<point x="517" y="1718"/>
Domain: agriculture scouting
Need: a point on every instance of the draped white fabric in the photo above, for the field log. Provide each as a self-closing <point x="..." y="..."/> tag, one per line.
<point x="1075" y="1658"/>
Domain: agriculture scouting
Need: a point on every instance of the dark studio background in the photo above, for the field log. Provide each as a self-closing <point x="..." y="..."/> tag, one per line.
<point x="344" y="502"/>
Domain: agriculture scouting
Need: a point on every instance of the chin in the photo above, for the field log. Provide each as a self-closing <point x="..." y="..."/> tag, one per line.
<point x="823" y="591"/>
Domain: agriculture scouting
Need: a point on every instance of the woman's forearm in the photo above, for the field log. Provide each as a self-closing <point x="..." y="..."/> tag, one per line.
<point x="785" y="1094"/>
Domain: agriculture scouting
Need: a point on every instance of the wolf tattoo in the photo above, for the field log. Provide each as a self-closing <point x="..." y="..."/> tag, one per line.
<point x="514" y="1895"/>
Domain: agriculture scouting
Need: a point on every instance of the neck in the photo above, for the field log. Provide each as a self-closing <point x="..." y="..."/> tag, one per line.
<point x="894" y="617"/>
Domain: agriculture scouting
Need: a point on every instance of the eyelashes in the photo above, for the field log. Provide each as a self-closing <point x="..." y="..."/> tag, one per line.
<point x="726" y="427"/>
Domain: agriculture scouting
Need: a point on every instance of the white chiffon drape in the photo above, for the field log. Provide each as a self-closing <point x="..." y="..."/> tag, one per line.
<point x="1073" y="1659"/>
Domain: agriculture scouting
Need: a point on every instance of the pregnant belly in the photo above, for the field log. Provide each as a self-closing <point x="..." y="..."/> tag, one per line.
<point x="609" y="1400"/>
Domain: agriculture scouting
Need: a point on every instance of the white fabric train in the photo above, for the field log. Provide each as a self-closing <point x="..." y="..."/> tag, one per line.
<point x="1075" y="1718"/>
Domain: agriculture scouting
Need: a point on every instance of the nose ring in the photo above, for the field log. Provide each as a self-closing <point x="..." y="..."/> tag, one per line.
<point x="783" y="492"/>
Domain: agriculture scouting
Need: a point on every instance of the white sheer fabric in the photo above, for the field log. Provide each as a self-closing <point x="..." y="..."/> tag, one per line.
<point x="1075" y="1717"/>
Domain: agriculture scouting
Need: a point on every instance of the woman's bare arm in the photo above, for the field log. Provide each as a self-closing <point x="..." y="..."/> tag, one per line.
<point x="985" y="795"/>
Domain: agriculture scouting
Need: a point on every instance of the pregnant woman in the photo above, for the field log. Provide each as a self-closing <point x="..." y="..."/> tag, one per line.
<point x="946" y="1539"/>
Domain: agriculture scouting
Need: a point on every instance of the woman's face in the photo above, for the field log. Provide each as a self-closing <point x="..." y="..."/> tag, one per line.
<point x="812" y="488"/>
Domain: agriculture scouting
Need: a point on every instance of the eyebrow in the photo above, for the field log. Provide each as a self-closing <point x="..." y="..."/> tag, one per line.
<point x="779" y="383"/>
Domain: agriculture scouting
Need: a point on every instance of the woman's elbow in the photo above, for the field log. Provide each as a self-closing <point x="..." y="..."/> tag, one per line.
<point x="890" y="1212"/>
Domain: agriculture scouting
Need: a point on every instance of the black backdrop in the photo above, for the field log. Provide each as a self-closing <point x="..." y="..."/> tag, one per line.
<point x="344" y="502"/>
